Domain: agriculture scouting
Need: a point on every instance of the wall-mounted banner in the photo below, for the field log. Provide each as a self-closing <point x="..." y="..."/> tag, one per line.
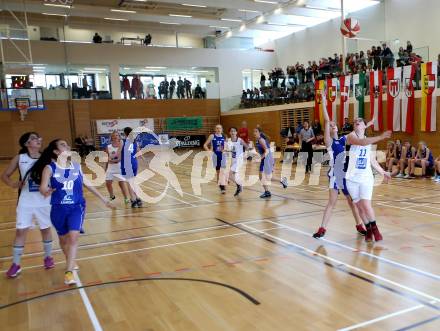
<point x="183" y="123"/>
<point x="109" y="126"/>
<point x="191" y="141"/>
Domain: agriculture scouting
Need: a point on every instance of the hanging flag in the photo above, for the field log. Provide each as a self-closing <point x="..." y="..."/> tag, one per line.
<point x="332" y="89"/>
<point x="319" y="101"/>
<point x="344" y="86"/>
<point x="376" y="99"/>
<point x="429" y="102"/>
<point x="408" y="98"/>
<point x="394" y="76"/>
<point x="359" y="87"/>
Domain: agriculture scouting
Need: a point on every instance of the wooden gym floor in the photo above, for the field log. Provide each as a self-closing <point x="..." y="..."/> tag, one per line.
<point x="220" y="263"/>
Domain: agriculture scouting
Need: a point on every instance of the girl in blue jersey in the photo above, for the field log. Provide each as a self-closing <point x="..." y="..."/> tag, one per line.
<point x="267" y="161"/>
<point x="63" y="181"/>
<point x="336" y="147"/>
<point x="423" y="159"/>
<point x="217" y="143"/>
<point x="408" y="153"/>
<point x="129" y="165"/>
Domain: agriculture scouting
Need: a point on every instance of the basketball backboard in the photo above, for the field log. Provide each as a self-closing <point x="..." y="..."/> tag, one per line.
<point x="11" y="98"/>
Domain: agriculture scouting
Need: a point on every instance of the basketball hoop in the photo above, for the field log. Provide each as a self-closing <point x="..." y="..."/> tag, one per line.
<point x="23" y="109"/>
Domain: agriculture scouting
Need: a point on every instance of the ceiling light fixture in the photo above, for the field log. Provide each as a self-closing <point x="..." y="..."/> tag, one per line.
<point x="115" y="19"/>
<point x="277" y="24"/>
<point x="322" y="8"/>
<point x="260" y="19"/>
<point x="123" y="11"/>
<point x="55" y="5"/>
<point x="265" y="1"/>
<point x="155" y="67"/>
<point x="231" y="19"/>
<point x="95" y="69"/>
<point x="242" y="27"/>
<point x="170" y="23"/>
<point x="178" y="15"/>
<point x="191" y="5"/>
<point x="278" y="11"/>
<point x="248" y="11"/>
<point x="219" y="27"/>
<point x="51" y="14"/>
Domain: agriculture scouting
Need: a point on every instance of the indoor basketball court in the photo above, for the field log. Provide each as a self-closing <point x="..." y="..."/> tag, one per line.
<point x="191" y="167"/>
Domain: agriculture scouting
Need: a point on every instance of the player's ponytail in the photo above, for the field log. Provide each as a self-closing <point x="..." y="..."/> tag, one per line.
<point x="45" y="159"/>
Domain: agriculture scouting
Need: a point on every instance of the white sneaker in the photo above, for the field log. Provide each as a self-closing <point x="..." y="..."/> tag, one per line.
<point x="407" y="176"/>
<point x="400" y="175"/>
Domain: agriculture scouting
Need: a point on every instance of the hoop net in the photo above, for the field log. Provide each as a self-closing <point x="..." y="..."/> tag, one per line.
<point x="23" y="109"/>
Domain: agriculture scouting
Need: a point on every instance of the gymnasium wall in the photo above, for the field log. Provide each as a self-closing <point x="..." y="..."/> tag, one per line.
<point x="55" y="122"/>
<point x="270" y="121"/>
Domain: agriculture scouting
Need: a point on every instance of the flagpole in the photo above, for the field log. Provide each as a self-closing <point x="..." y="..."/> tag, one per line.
<point x="344" y="42"/>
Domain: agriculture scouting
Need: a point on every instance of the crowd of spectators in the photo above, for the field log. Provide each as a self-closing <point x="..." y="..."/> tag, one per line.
<point x="296" y="83"/>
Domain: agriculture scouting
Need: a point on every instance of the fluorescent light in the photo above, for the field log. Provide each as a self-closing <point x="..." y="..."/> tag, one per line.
<point x="248" y="11"/>
<point x="123" y="11"/>
<point x="277" y="24"/>
<point x="115" y="19"/>
<point x="200" y="71"/>
<point x="75" y="41"/>
<point x="278" y="11"/>
<point x="38" y="68"/>
<point x="219" y="27"/>
<point x="265" y="1"/>
<point x="191" y="5"/>
<point x="260" y="19"/>
<point x="51" y="14"/>
<point x="150" y="70"/>
<point x="230" y="19"/>
<point x="321" y="8"/>
<point x="155" y="67"/>
<point x="170" y="23"/>
<point x="95" y="69"/>
<point x="178" y="15"/>
<point x="56" y="5"/>
<point x="242" y="27"/>
<point x="228" y="34"/>
<point x="125" y="68"/>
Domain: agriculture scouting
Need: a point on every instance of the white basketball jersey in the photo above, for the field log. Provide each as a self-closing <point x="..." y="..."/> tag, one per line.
<point x="113" y="152"/>
<point x="30" y="195"/>
<point x="236" y="148"/>
<point x="359" y="166"/>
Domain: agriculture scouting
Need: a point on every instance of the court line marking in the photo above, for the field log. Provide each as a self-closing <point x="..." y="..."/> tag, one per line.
<point x="192" y="195"/>
<point x="144" y="249"/>
<point x="426" y="273"/>
<point x="90" y="311"/>
<point x="167" y="195"/>
<point x="406" y="209"/>
<point x="139" y="238"/>
<point x="381" y="318"/>
<point x="349" y="266"/>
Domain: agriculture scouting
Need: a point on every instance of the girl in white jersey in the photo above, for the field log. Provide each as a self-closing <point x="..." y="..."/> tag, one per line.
<point x="114" y="167"/>
<point x="31" y="204"/>
<point x="360" y="179"/>
<point x="235" y="146"/>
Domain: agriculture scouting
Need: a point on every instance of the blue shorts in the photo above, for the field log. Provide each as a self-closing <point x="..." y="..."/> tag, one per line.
<point x="67" y="218"/>
<point x="218" y="161"/>
<point x="334" y="185"/>
<point x="130" y="172"/>
<point x="266" y="165"/>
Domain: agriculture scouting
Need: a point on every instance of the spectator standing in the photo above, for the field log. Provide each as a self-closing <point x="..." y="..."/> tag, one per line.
<point x="262" y="81"/>
<point x="187" y="85"/>
<point x="97" y="39"/>
<point x="306" y="137"/>
<point x="198" y="93"/>
<point x="180" y="89"/>
<point x="172" y="87"/>
<point x="166" y="85"/>
<point x="409" y="47"/>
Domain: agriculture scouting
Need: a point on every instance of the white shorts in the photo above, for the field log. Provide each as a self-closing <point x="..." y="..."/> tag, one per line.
<point x="114" y="173"/>
<point x="25" y="215"/>
<point x="237" y="164"/>
<point x="360" y="191"/>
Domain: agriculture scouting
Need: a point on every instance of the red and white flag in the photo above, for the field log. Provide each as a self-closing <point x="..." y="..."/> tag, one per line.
<point x="394" y="75"/>
<point x="408" y="100"/>
<point x="344" y="86"/>
<point x="428" y="107"/>
<point x="332" y="84"/>
<point x="376" y="99"/>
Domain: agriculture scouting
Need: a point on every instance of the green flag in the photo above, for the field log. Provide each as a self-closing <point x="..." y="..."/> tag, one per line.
<point x="359" y="87"/>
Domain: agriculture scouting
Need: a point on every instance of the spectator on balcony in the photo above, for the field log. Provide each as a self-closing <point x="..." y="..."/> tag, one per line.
<point x="409" y="47"/>
<point x="147" y="40"/>
<point x="180" y="89"/>
<point x="172" y="87"/>
<point x="387" y="56"/>
<point x="166" y="85"/>
<point x="262" y="80"/>
<point x="187" y="85"/>
<point x="347" y="127"/>
<point x="198" y="92"/>
<point x="97" y="39"/>
<point x="376" y="53"/>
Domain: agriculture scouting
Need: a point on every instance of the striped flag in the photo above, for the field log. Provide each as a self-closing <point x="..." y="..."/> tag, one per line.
<point x="332" y="89"/>
<point x="344" y="86"/>
<point x="376" y="99"/>
<point x="408" y="99"/>
<point x="429" y="104"/>
<point x="394" y="76"/>
<point x="359" y="86"/>
<point x="319" y="101"/>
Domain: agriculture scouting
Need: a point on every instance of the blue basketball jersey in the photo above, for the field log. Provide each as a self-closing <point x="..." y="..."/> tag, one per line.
<point x="260" y="148"/>
<point x="218" y="143"/>
<point x="129" y="163"/>
<point x="67" y="183"/>
<point x="430" y="157"/>
<point x="337" y="157"/>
